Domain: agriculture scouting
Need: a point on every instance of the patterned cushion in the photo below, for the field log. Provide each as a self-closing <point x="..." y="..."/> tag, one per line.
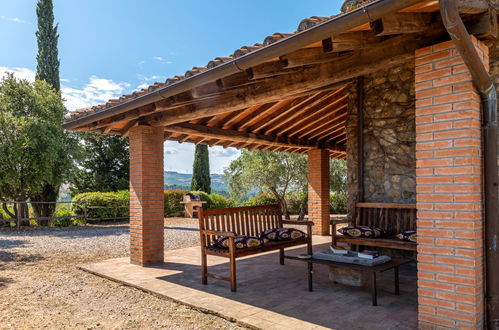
<point x="241" y="242"/>
<point x="362" y="232"/>
<point x="408" y="235"/>
<point x="282" y="234"/>
<point x="270" y="234"/>
<point x="286" y="234"/>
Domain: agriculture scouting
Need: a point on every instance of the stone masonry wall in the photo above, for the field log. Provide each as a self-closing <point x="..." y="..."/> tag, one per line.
<point x="389" y="137"/>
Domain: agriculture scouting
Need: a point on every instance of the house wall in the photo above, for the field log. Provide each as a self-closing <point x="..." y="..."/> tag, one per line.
<point x="389" y="137"/>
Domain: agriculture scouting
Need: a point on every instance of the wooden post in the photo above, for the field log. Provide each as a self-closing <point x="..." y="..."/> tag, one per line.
<point x="85" y="212"/>
<point x="17" y="208"/>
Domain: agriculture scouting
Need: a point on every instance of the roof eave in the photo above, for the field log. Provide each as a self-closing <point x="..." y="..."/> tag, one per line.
<point x="321" y="31"/>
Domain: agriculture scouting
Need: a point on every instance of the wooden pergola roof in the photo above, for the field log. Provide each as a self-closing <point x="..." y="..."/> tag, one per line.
<point x="292" y="102"/>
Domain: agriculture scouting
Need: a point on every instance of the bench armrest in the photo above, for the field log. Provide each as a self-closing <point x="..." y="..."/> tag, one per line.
<point x="218" y="233"/>
<point x="337" y="221"/>
<point x="291" y="222"/>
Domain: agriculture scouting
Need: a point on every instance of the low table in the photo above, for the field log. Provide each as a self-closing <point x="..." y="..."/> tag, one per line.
<point x="393" y="264"/>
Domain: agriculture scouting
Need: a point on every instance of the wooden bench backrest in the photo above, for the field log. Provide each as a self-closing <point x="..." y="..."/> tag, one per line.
<point x="394" y="218"/>
<point x="251" y="220"/>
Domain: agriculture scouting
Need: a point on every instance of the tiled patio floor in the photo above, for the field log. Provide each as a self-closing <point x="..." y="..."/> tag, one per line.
<point x="272" y="296"/>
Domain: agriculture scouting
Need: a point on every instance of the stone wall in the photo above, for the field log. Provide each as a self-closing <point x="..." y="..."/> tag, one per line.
<point x="389" y="137"/>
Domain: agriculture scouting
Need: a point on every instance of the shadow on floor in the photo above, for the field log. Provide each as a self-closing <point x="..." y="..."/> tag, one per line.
<point x="269" y="293"/>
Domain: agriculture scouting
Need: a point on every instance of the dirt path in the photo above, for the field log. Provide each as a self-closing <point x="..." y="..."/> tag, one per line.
<point x="40" y="286"/>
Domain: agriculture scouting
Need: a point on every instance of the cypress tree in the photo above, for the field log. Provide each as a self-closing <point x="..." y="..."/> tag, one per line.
<point x="201" y="170"/>
<point x="47" y="68"/>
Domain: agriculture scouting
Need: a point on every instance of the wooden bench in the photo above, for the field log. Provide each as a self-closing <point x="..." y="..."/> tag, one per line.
<point x="394" y="218"/>
<point x="243" y="221"/>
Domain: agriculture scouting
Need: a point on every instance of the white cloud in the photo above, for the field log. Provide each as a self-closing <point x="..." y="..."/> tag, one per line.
<point x="150" y="78"/>
<point x="162" y="60"/>
<point x="13" y="19"/>
<point x="170" y="150"/>
<point x="218" y="151"/>
<point x="141" y="86"/>
<point x="20" y="73"/>
<point x="96" y="91"/>
<point x="141" y="62"/>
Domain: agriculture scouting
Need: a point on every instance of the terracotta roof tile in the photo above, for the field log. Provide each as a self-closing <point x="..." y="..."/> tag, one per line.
<point x="304" y="24"/>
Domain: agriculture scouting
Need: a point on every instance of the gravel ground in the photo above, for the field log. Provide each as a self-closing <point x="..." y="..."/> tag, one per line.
<point x="40" y="286"/>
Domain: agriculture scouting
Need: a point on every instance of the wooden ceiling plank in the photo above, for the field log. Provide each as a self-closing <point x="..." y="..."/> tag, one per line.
<point x="304" y="112"/>
<point x="294" y="106"/>
<point x="241" y="115"/>
<point x="330" y="111"/>
<point x="333" y="123"/>
<point x="236" y="136"/>
<point x="262" y="115"/>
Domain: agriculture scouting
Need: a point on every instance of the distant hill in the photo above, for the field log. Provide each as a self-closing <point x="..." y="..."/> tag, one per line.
<point x="175" y="180"/>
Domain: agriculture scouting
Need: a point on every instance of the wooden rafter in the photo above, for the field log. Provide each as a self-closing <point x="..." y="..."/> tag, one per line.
<point x="243" y="137"/>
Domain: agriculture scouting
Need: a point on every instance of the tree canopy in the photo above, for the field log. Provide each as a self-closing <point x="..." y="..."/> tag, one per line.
<point x="31" y="139"/>
<point x="102" y="164"/>
<point x="274" y="173"/>
<point x="201" y="180"/>
<point x="47" y="68"/>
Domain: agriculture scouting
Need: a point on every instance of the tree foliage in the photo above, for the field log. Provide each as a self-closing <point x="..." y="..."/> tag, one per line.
<point x="268" y="172"/>
<point x="32" y="142"/>
<point x="338" y="176"/>
<point x="201" y="170"/>
<point x="102" y="164"/>
<point x="47" y="68"/>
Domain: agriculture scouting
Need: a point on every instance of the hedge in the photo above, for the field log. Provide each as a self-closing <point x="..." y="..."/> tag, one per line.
<point x="172" y="199"/>
<point x="110" y="200"/>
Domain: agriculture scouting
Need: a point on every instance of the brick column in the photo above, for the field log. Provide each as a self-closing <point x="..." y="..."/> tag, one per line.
<point x="146" y="195"/>
<point x="449" y="190"/>
<point x="318" y="190"/>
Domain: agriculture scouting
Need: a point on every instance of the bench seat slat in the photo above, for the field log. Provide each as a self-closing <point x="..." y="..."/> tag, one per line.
<point x="393" y="243"/>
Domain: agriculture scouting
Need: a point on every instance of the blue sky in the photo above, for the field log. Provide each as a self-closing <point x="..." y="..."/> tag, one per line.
<point x="111" y="47"/>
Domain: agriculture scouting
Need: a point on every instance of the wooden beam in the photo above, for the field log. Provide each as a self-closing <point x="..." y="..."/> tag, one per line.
<point x="398" y="23"/>
<point x="327" y="45"/>
<point x="337" y="113"/>
<point x="236" y="136"/>
<point x="262" y="115"/>
<point x="326" y="128"/>
<point x="354" y="41"/>
<point x="126" y="129"/>
<point x="485" y="25"/>
<point x="296" y="104"/>
<point x="241" y="116"/>
<point x="331" y="110"/>
<point x="306" y="81"/>
<point x="475" y="6"/>
<point x="308" y="56"/>
<point x="303" y="113"/>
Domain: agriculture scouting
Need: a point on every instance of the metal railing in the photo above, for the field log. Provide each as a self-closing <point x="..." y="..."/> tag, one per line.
<point x="20" y="212"/>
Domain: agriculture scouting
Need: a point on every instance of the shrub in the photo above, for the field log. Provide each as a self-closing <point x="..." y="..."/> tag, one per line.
<point x="115" y="203"/>
<point x="203" y="197"/>
<point x="262" y="199"/>
<point x="173" y="208"/>
<point x="220" y="202"/>
<point x="338" y="203"/>
<point x="63" y="210"/>
<point x="294" y="199"/>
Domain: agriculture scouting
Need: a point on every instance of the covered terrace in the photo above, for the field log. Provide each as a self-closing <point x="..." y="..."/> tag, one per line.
<point x="311" y="92"/>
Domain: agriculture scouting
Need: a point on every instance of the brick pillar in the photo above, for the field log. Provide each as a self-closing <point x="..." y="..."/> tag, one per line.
<point x="146" y="195"/>
<point x="318" y="190"/>
<point x="449" y="190"/>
